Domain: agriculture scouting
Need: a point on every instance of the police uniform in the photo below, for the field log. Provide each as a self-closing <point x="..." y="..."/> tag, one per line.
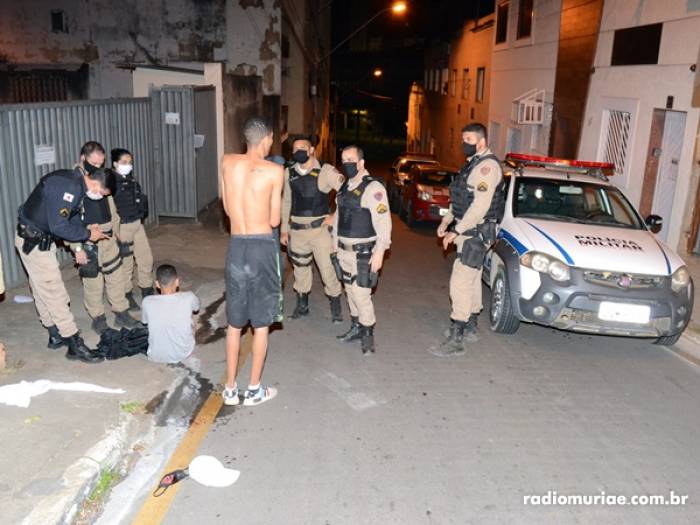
<point x="477" y="201"/>
<point x="52" y="211"/>
<point x="362" y="226"/>
<point x="132" y="208"/>
<point x="106" y="264"/>
<point x="305" y="202"/>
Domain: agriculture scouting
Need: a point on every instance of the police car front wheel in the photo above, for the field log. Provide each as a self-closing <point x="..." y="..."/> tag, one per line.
<point x="501" y="315"/>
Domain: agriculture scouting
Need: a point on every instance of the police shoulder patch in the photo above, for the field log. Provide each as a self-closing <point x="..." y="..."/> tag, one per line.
<point x="379" y="196"/>
<point x="64" y="212"/>
<point x="482" y="186"/>
<point x="68" y="197"/>
<point x="485" y="170"/>
<point x="381" y="208"/>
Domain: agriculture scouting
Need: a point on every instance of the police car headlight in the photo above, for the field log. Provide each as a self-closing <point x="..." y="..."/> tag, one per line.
<point x="542" y="263"/>
<point x="680" y="279"/>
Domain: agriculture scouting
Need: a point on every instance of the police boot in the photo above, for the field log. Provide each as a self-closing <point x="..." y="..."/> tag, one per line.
<point x="123" y="319"/>
<point x="354" y="333"/>
<point x="453" y="343"/>
<point x="145" y="292"/>
<point x="133" y="305"/>
<point x="302" y="307"/>
<point x="78" y="351"/>
<point x="470" y="334"/>
<point x="367" y="340"/>
<point x="336" y="310"/>
<point x="99" y="324"/>
<point x="55" y="339"/>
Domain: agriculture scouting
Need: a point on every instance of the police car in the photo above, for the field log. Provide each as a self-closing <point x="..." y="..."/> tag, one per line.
<point x="574" y="254"/>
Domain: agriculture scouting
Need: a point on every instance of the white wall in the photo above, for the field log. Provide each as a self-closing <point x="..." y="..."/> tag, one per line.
<point x="641" y="89"/>
<point x="520" y="65"/>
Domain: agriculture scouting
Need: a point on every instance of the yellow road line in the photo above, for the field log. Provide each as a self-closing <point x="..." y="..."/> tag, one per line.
<point x="154" y="509"/>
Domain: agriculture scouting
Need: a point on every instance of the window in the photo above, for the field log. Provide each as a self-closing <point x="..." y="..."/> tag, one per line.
<point x="58" y="21"/>
<point x="480" y="78"/>
<point x="444" y="81"/>
<point x="616" y="138"/>
<point x="453" y="82"/>
<point x="636" y="45"/>
<point x="436" y="80"/>
<point x="502" y="23"/>
<point x="466" y="84"/>
<point x="525" y="19"/>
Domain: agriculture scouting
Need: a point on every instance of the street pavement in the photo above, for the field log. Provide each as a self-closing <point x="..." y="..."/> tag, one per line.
<point x="403" y="437"/>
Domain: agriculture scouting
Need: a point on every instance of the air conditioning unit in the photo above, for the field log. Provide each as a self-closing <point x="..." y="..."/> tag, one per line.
<point x="528" y="108"/>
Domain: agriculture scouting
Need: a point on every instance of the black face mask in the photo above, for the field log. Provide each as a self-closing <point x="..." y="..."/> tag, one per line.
<point x="350" y="169"/>
<point x="300" y="156"/>
<point x="89" y="167"/>
<point x="469" y="149"/>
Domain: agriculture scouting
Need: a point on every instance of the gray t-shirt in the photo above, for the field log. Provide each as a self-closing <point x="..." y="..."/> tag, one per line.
<point x="169" y="320"/>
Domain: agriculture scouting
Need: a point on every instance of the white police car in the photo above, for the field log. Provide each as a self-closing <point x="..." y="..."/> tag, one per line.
<point x="574" y="254"/>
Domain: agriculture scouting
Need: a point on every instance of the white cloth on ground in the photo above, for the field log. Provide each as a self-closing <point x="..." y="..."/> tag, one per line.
<point x="21" y="394"/>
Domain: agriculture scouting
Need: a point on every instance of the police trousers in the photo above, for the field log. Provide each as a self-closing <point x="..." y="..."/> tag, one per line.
<point x="135" y="247"/>
<point x="359" y="297"/>
<point x="465" y="287"/>
<point x="307" y="246"/>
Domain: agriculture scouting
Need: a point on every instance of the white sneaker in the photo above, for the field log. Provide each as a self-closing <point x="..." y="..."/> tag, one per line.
<point x="259" y="396"/>
<point x="230" y="396"/>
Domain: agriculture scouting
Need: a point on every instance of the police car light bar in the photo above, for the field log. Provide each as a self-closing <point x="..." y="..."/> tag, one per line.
<point x="554" y="161"/>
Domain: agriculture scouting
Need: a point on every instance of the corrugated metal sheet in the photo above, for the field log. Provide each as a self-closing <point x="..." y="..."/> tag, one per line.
<point x="65" y="126"/>
<point x="175" y="155"/>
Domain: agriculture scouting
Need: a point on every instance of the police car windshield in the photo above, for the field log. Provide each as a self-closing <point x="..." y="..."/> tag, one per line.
<point x="574" y="201"/>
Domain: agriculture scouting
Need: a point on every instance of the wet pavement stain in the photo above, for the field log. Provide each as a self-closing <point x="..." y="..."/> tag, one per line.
<point x="206" y="333"/>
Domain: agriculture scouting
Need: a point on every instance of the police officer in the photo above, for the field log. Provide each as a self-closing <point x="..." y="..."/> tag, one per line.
<point x="53" y="211"/>
<point x="362" y="233"/>
<point x="308" y="236"/>
<point x="477" y="201"/>
<point x="132" y="209"/>
<point x="103" y="262"/>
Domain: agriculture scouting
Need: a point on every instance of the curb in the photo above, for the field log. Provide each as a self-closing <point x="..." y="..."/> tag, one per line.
<point x="80" y="478"/>
<point x="688" y="347"/>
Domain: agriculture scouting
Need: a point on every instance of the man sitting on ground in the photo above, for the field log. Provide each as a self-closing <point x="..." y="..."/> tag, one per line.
<point x="169" y="318"/>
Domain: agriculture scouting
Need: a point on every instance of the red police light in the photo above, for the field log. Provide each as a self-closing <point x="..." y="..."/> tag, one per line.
<point x="554" y="161"/>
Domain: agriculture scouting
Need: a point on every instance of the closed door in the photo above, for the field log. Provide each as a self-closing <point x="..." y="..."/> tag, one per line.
<point x="669" y="160"/>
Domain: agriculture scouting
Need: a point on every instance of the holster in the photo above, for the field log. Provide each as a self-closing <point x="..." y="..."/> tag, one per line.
<point x="487" y="231"/>
<point x="125" y="249"/>
<point x="366" y="278"/>
<point x="336" y="266"/>
<point x="91" y="269"/>
<point x="473" y="252"/>
<point x="33" y="238"/>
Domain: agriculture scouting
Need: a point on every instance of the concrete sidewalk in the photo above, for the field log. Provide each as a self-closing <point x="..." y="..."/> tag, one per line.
<point x="56" y="450"/>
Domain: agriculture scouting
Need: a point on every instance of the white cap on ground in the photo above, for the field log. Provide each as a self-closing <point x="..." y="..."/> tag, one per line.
<point x="210" y="472"/>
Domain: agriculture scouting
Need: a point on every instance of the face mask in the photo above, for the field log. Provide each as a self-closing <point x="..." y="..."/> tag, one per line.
<point x="124" y="169"/>
<point x="93" y="195"/>
<point x="469" y="149"/>
<point x="89" y="167"/>
<point x="300" y="156"/>
<point x="350" y="169"/>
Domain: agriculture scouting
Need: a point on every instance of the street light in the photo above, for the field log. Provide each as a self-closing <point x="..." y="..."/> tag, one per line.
<point x="398" y="8"/>
<point x="377" y="73"/>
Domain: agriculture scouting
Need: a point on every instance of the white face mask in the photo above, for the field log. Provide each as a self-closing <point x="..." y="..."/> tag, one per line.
<point x="124" y="169"/>
<point x="94" y="195"/>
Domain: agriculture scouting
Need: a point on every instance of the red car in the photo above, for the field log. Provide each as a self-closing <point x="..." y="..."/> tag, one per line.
<point x="427" y="195"/>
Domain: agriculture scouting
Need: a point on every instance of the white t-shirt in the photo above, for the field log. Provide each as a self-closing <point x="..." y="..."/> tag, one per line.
<point x="169" y="320"/>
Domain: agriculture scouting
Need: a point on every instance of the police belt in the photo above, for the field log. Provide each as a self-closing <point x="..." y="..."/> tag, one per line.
<point x="34" y="237"/>
<point x="479" y="228"/>
<point x="310" y="226"/>
<point x="362" y="247"/>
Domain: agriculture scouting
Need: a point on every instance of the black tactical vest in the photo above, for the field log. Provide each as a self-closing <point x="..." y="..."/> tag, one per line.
<point x="462" y="196"/>
<point x="96" y="212"/>
<point x="127" y="198"/>
<point x="34" y="208"/>
<point x="354" y="221"/>
<point x="307" y="199"/>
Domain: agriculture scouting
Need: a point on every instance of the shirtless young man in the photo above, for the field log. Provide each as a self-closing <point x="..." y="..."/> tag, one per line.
<point x="252" y="195"/>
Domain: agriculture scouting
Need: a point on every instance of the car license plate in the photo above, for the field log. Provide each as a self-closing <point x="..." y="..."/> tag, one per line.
<point x="624" y="313"/>
<point x="443" y="212"/>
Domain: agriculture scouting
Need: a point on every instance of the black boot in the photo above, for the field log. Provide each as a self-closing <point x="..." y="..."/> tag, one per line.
<point x="470" y="334"/>
<point x="336" y="310"/>
<point x="123" y="319"/>
<point x="133" y="305"/>
<point x="302" y="307"/>
<point x="453" y="343"/>
<point x="99" y="324"/>
<point x="354" y="333"/>
<point x="55" y="339"/>
<point x="77" y="350"/>
<point x="145" y="292"/>
<point x="367" y="340"/>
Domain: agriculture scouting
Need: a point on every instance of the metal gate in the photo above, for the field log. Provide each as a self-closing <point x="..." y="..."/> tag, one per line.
<point x="184" y="123"/>
<point x="36" y="139"/>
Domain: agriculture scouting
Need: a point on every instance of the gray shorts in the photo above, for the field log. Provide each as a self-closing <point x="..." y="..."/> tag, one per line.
<point x="253" y="281"/>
